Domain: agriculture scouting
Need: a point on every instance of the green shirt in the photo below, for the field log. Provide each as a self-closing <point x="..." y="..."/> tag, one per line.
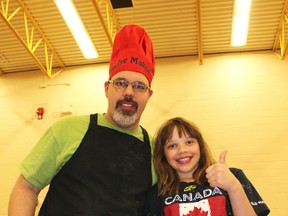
<point x="58" y="144"/>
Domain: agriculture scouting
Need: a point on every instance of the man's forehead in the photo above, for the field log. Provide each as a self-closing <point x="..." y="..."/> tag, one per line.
<point x="131" y="76"/>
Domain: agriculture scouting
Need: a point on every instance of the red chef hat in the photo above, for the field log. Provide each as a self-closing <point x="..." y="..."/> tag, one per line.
<point x="132" y="51"/>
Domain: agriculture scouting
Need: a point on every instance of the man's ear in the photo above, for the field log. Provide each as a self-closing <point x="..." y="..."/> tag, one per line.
<point x="150" y="93"/>
<point x="106" y="86"/>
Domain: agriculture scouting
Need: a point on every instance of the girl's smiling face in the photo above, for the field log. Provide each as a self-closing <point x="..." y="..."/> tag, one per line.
<point x="182" y="152"/>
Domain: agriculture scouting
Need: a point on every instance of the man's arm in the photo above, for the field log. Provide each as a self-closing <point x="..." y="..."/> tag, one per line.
<point x="23" y="199"/>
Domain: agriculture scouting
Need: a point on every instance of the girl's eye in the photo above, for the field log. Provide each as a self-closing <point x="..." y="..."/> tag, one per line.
<point x="190" y="141"/>
<point x="171" y="146"/>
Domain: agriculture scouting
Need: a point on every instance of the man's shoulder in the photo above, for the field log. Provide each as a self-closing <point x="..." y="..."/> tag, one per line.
<point x="72" y="121"/>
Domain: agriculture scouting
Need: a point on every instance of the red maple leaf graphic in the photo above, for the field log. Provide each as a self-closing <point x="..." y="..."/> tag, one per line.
<point x="196" y="212"/>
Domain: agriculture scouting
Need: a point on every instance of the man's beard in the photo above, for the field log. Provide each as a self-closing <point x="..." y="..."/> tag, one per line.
<point x="124" y="118"/>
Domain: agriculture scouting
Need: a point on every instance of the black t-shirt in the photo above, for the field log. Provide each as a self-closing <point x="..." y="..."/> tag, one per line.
<point x="200" y="200"/>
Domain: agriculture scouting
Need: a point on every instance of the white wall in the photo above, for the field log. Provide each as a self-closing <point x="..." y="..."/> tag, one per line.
<point x="239" y="101"/>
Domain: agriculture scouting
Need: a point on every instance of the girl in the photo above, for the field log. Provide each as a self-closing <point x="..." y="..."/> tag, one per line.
<point x="191" y="183"/>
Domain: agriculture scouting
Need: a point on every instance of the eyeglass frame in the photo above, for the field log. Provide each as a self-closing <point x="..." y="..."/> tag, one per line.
<point x="122" y="88"/>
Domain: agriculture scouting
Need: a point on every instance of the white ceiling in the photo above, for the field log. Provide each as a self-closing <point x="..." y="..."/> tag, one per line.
<point x="175" y="27"/>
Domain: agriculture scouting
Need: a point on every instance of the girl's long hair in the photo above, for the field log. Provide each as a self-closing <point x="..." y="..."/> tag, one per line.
<point x="168" y="180"/>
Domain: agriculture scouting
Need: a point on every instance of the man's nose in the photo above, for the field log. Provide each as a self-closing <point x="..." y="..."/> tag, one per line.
<point x="129" y="90"/>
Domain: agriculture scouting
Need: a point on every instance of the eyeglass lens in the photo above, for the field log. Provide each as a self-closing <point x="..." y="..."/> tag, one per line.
<point x="123" y="84"/>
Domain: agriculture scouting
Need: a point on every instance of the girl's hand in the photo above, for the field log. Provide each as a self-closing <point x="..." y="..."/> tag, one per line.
<point x="219" y="175"/>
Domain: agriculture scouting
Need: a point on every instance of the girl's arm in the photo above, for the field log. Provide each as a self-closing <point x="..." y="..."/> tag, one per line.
<point x="219" y="175"/>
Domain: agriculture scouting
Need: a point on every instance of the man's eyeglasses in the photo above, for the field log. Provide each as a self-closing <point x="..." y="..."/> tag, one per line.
<point x="123" y="84"/>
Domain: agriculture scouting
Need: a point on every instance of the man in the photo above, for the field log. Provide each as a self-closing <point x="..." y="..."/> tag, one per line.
<point x="97" y="164"/>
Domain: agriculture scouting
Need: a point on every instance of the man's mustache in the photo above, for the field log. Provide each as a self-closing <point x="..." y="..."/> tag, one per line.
<point x="129" y="100"/>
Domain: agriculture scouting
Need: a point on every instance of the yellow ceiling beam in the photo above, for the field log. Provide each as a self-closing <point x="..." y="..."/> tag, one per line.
<point x="41" y="44"/>
<point x="199" y="32"/>
<point x="112" y="25"/>
<point x="281" y="40"/>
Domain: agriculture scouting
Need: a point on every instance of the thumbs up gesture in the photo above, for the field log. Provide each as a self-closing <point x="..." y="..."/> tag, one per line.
<point x="219" y="175"/>
<point x="222" y="157"/>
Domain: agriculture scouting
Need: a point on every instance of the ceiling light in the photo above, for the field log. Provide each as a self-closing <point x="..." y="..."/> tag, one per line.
<point x="77" y="28"/>
<point x="241" y="16"/>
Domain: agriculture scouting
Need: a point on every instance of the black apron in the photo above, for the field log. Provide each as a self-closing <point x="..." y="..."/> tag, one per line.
<point x="109" y="174"/>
